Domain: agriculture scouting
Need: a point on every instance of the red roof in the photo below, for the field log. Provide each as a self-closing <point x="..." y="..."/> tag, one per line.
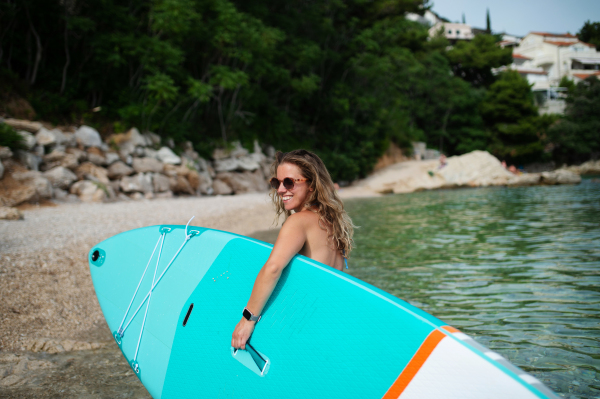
<point x="566" y="44"/>
<point x="520" y="57"/>
<point x="546" y="34"/>
<point x="529" y="71"/>
<point x="583" y="76"/>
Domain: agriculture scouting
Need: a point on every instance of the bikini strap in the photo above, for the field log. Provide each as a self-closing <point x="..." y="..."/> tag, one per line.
<point x="345" y="260"/>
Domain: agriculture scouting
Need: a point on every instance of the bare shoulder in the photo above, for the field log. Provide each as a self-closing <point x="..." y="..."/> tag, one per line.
<point x="304" y="218"/>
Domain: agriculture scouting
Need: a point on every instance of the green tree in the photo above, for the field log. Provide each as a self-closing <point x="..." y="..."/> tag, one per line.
<point x="488" y="22"/>
<point x="575" y="138"/>
<point x="473" y="60"/>
<point x="590" y="33"/>
<point x="516" y="129"/>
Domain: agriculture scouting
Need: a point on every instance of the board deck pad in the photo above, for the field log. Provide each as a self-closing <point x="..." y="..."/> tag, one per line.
<point x="323" y="333"/>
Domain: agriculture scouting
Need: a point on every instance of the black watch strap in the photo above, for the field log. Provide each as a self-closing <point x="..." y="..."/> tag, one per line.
<point x="248" y="315"/>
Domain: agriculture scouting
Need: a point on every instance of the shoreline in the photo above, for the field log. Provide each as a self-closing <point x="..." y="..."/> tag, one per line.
<point x="54" y="341"/>
<point x="44" y="274"/>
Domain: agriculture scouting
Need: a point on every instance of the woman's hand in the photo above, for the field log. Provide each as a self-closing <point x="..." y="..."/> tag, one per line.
<point x="242" y="333"/>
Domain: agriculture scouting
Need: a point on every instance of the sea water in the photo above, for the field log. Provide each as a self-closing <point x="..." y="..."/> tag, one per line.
<point x="518" y="269"/>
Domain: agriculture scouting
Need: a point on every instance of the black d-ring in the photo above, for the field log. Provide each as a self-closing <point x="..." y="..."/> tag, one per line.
<point x="187" y="316"/>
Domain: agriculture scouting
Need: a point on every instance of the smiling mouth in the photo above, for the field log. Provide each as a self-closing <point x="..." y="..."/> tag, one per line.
<point x="286" y="198"/>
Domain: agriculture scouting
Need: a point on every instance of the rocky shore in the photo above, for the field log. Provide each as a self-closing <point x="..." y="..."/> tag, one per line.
<point x="475" y="169"/>
<point x="74" y="164"/>
<point x="54" y="341"/>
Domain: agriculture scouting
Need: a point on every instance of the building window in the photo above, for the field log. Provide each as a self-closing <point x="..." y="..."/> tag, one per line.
<point x="449" y="31"/>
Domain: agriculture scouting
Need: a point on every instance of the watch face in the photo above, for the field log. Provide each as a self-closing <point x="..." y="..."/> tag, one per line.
<point x="247" y="314"/>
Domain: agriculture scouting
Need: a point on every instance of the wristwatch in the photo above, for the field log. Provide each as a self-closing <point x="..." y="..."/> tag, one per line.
<point x="248" y="315"/>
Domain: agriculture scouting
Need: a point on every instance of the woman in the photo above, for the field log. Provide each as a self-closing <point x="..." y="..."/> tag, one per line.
<point x="318" y="228"/>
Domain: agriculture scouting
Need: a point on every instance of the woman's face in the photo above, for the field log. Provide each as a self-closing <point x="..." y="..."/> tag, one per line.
<point x="294" y="199"/>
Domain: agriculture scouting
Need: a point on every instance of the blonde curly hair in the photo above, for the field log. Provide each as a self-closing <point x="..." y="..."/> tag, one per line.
<point x="324" y="198"/>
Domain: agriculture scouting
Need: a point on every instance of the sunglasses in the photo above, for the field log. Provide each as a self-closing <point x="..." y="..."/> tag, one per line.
<point x="288" y="182"/>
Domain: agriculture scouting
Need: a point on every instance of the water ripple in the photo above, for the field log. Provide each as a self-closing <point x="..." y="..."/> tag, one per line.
<point x="518" y="269"/>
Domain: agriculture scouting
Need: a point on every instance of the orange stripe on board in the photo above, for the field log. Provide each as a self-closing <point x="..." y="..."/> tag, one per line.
<point x="450" y="329"/>
<point x="413" y="367"/>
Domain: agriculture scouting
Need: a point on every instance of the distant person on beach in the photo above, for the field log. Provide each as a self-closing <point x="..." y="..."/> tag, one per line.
<point x="513" y="169"/>
<point x="504" y="164"/>
<point x="316" y="225"/>
<point x="443" y="161"/>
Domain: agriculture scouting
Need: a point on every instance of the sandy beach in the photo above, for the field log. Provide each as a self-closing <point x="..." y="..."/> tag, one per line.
<point x="49" y="313"/>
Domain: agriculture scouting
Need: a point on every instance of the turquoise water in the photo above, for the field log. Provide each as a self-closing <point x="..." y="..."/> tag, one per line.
<point x="518" y="269"/>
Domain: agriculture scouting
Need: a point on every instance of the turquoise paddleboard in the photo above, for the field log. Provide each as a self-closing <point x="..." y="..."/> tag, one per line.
<point x="323" y="334"/>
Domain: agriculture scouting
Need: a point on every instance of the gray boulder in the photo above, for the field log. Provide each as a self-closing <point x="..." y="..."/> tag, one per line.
<point x="28" y="139"/>
<point x="180" y="185"/>
<point x="560" y="176"/>
<point x="245" y="182"/>
<point x="60" y="194"/>
<point x="165" y="155"/>
<point x="95" y="173"/>
<point x="96" y="159"/>
<point x="118" y="169"/>
<point x="150" y="153"/>
<point x="139" y="152"/>
<point x="20" y="124"/>
<point x="205" y="185"/>
<point x="60" y="177"/>
<point x="226" y="165"/>
<point x="61" y="138"/>
<point x="59" y="158"/>
<point x="88" y="191"/>
<point x="18" y="195"/>
<point x="42" y="187"/>
<point x="45" y="137"/>
<point x="189" y="152"/>
<point x="236" y="151"/>
<point x="128" y="142"/>
<point x="221" y="188"/>
<point x="79" y="154"/>
<point x="29" y="160"/>
<point x="112" y="157"/>
<point x="38" y="150"/>
<point x="152" y="139"/>
<point x="8" y="213"/>
<point x="142" y="165"/>
<point x="5" y="153"/>
<point x="142" y="182"/>
<point x="248" y="163"/>
<point x="160" y="182"/>
<point x="137" y="196"/>
<point x="70" y="140"/>
<point x="88" y="137"/>
<point x="526" y="179"/>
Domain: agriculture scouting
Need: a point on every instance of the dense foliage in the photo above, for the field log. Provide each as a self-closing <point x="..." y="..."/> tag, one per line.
<point x="590" y="33"/>
<point x="341" y="78"/>
<point x="576" y="138"/>
<point x="10" y="138"/>
<point x="516" y="128"/>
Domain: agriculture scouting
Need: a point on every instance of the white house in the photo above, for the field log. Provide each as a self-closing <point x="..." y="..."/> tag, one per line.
<point x="509" y="40"/>
<point x="429" y="18"/>
<point x="545" y="58"/>
<point x="452" y="31"/>
<point x="557" y="55"/>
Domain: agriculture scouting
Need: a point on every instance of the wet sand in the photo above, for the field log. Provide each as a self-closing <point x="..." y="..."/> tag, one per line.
<point x="54" y="341"/>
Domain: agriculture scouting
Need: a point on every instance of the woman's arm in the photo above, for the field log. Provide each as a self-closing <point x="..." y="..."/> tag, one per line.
<point x="289" y="242"/>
